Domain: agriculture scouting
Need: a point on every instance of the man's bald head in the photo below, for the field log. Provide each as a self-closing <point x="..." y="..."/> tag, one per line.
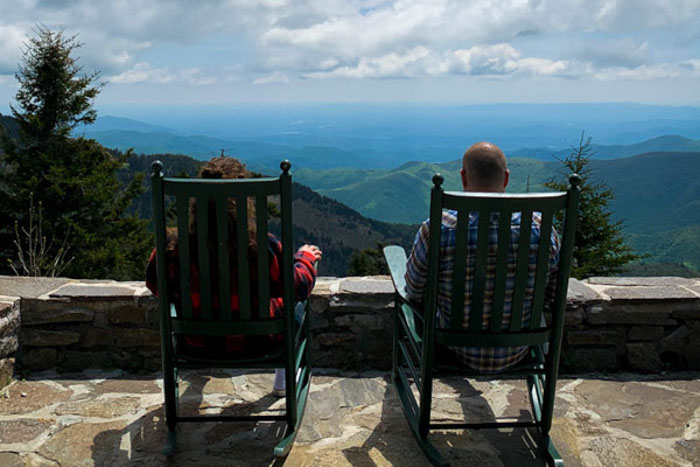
<point x="484" y="168"/>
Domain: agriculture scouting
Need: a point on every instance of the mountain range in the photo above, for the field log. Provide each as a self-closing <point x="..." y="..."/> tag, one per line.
<point x="656" y="195"/>
<point x="657" y="192"/>
<point x="317" y="219"/>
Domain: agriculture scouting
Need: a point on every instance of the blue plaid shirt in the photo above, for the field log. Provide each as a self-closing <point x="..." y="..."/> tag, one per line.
<point x="483" y="359"/>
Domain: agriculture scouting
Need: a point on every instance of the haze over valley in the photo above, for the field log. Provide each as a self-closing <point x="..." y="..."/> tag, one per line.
<point x="379" y="160"/>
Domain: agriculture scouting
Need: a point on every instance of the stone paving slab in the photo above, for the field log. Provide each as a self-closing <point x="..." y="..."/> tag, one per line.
<point x="111" y="418"/>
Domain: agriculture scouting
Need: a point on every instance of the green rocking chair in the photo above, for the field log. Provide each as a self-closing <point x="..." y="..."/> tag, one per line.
<point x="178" y="320"/>
<point x="416" y="336"/>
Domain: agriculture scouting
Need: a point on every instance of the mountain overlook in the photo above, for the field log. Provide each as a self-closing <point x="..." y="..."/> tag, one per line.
<point x="336" y="228"/>
<point x="657" y="195"/>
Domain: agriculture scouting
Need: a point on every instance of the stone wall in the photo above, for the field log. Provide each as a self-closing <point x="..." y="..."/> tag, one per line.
<point x="639" y="324"/>
<point x="9" y="339"/>
<point x="612" y="324"/>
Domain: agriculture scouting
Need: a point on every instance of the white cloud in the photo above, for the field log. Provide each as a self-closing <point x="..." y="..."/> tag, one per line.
<point x="607" y="53"/>
<point x="485" y="60"/>
<point x="143" y="73"/>
<point x="394" y="65"/>
<point x="274" y="78"/>
<point x="362" y="39"/>
<point x="661" y="71"/>
<point x="11" y="39"/>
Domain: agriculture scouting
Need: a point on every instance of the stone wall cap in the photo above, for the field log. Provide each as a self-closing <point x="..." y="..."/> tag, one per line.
<point x="368" y="284"/>
<point x="29" y="287"/>
<point x="695" y="289"/>
<point x="642" y="281"/>
<point x="579" y="291"/>
<point x="650" y="293"/>
<point x="88" y="291"/>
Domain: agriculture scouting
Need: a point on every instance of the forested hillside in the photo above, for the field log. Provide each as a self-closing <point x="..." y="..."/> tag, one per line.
<point x="656" y="194"/>
<point x="317" y="219"/>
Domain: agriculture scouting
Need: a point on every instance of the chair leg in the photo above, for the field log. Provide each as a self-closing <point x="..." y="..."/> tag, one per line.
<point x="284" y="446"/>
<point x="408" y="403"/>
<point x="535" y="392"/>
<point x="171" y="394"/>
<point x="170" y="443"/>
<point x="552" y="456"/>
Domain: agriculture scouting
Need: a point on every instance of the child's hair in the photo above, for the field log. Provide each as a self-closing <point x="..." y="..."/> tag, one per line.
<point x="226" y="168"/>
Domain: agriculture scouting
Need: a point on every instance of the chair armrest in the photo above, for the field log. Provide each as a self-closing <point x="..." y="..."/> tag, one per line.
<point x="396" y="261"/>
<point x="409" y="316"/>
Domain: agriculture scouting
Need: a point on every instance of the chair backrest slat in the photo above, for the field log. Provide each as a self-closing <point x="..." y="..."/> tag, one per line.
<point x="476" y="314"/>
<point x="213" y="241"/>
<point x="503" y="270"/>
<point x="459" y="272"/>
<point x="182" y="204"/>
<point x="500" y="280"/>
<point x="223" y="254"/>
<point x="521" y="271"/>
<point x="244" y="306"/>
<point x="542" y="270"/>
<point x="202" y="220"/>
<point x="263" y="256"/>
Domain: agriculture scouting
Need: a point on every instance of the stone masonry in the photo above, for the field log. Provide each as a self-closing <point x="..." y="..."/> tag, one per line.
<point x="612" y="324"/>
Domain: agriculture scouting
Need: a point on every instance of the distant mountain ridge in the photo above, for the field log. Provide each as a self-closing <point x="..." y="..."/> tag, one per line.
<point x="336" y="228"/>
<point x="666" y="143"/>
<point x="656" y="194"/>
<point x="263" y="156"/>
<point x="109" y="122"/>
<point x="258" y="156"/>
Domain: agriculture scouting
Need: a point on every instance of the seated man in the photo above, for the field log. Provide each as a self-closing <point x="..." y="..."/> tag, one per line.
<point x="484" y="169"/>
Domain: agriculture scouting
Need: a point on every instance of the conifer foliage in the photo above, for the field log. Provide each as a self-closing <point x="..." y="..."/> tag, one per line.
<point x="73" y="179"/>
<point x="599" y="247"/>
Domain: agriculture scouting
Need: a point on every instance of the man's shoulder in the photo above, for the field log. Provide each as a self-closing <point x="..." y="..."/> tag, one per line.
<point x="449" y="220"/>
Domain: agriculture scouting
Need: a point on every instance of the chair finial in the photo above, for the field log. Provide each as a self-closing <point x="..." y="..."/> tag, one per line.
<point x="437" y="180"/>
<point x="574" y="179"/>
<point x="285" y="165"/>
<point x="156" y="167"/>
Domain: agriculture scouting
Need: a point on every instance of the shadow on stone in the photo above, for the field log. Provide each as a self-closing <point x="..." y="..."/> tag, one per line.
<point x="198" y="443"/>
<point x="387" y="445"/>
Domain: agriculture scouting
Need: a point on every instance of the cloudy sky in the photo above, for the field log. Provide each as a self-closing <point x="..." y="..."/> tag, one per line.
<point x="157" y="52"/>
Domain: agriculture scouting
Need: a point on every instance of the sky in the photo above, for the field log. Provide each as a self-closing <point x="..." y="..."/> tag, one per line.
<point x="162" y="53"/>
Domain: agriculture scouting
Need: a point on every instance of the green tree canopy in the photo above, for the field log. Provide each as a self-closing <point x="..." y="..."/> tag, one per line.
<point x="74" y="180"/>
<point x="599" y="247"/>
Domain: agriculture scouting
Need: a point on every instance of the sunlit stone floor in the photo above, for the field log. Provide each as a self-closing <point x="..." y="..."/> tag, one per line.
<point x="113" y="418"/>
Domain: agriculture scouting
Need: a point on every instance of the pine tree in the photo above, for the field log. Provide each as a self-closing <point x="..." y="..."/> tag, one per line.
<point x="368" y="262"/>
<point x="74" y="180"/>
<point x="600" y="248"/>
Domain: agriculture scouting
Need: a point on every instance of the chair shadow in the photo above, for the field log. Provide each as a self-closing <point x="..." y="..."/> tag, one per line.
<point x="198" y="443"/>
<point x="392" y="441"/>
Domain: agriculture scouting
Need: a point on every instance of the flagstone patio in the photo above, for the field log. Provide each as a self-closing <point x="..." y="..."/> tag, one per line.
<point x="113" y="418"/>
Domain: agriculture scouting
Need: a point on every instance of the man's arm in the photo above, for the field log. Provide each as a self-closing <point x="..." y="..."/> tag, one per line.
<point x="417" y="265"/>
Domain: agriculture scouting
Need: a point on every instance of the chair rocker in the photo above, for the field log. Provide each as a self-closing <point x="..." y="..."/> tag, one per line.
<point x="416" y="336"/>
<point x="178" y="320"/>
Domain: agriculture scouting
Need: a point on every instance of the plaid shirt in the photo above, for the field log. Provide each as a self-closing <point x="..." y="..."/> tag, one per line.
<point x="482" y="359"/>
